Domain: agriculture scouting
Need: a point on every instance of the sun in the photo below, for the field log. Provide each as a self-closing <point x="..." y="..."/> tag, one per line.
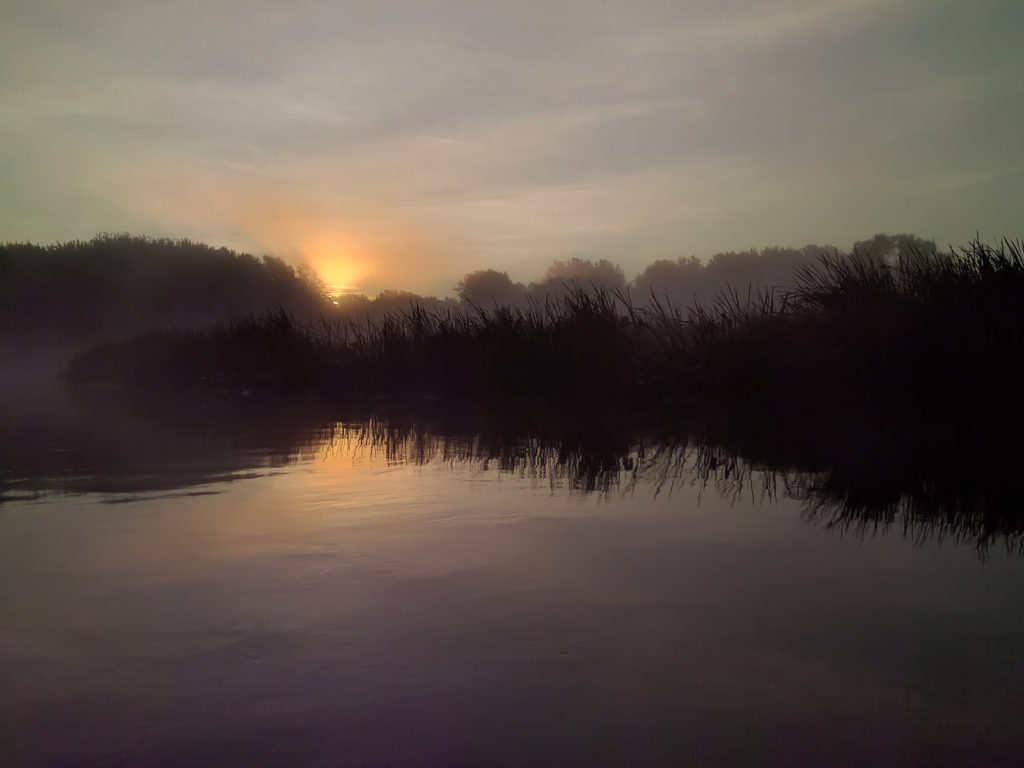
<point x="339" y="263"/>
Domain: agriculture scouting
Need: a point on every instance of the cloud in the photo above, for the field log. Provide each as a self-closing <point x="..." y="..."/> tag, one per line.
<point x="489" y="133"/>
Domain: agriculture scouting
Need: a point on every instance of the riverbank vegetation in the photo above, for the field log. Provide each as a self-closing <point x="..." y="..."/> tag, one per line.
<point x="925" y="328"/>
<point x="117" y="286"/>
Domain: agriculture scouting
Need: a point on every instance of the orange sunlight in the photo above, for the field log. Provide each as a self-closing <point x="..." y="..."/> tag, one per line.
<point x="339" y="263"/>
<point x="379" y="243"/>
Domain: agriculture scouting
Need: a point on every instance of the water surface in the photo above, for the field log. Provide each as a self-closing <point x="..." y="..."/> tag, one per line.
<point x="373" y="592"/>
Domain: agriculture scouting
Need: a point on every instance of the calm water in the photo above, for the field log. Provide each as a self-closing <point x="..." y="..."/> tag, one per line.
<point x="356" y="593"/>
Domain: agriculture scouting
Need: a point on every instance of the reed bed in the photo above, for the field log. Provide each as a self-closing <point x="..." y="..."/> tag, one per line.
<point x="927" y="329"/>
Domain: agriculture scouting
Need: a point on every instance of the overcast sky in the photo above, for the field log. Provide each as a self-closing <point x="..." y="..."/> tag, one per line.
<point x="401" y="143"/>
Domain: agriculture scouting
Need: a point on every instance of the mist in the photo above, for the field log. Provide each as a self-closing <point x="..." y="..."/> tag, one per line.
<point x="72" y="294"/>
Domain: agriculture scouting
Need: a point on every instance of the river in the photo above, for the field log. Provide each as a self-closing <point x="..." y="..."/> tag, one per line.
<point x="375" y="591"/>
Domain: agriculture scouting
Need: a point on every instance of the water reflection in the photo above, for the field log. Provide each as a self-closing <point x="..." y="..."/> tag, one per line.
<point x="467" y="587"/>
<point x="852" y="474"/>
<point x="104" y="445"/>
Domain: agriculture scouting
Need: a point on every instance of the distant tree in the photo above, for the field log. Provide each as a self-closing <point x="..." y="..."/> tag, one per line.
<point x="756" y="271"/>
<point x="391" y="300"/>
<point x="687" y="281"/>
<point x="488" y="286"/>
<point x="676" y="282"/>
<point x="602" y="272"/>
<point x="351" y="304"/>
<point x="579" y="274"/>
<point x="117" y="284"/>
<point x="892" y="249"/>
<point x="392" y="294"/>
<point x="308" y="275"/>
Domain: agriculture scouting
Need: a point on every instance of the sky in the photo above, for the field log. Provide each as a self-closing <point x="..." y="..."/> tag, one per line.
<point x="403" y="143"/>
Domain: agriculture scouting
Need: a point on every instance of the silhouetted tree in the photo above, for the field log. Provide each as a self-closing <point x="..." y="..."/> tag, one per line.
<point x="578" y="274"/>
<point x="602" y="272"/>
<point x="488" y="286"/>
<point x="757" y="271"/>
<point x="891" y="249"/>
<point x="118" y="285"/>
<point x="676" y="282"/>
<point x="687" y="281"/>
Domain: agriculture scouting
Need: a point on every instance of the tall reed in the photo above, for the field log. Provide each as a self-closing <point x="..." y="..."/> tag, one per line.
<point x="928" y="328"/>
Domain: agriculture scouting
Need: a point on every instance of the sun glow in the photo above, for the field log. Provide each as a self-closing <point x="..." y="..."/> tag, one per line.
<point x="339" y="263"/>
<point x="379" y="244"/>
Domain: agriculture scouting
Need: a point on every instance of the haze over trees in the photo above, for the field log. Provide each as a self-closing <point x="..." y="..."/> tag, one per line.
<point x="583" y="273"/>
<point x="685" y="281"/>
<point x="856" y="330"/>
<point x="680" y="283"/>
<point x="489" y="286"/>
<point x="115" y="286"/>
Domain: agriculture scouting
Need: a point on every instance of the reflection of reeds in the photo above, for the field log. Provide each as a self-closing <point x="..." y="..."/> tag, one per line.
<point x="851" y="470"/>
<point x="921" y="518"/>
<point x="929" y="483"/>
<point x="946" y="478"/>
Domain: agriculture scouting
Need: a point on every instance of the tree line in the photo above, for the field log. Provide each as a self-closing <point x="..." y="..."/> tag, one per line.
<point x="118" y="285"/>
<point x="685" y="281"/>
